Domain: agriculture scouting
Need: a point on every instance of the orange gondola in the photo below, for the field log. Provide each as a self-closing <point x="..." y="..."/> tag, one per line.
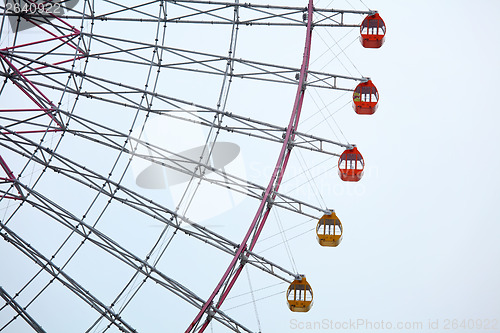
<point x="365" y="98"/>
<point x="351" y="165"/>
<point x="329" y="230"/>
<point x="372" y="31"/>
<point x="299" y="295"/>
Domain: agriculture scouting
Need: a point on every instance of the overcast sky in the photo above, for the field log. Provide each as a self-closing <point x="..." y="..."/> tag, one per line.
<point x="421" y="227"/>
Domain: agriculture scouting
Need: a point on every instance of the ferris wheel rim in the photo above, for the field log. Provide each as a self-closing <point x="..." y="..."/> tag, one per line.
<point x="304" y="73"/>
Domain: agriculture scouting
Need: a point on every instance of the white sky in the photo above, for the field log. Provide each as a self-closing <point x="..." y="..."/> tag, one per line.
<point x="421" y="227"/>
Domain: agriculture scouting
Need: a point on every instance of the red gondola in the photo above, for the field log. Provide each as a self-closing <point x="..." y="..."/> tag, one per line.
<point x="372" y="31"/>
<point x="351" y="165"/>
<point x="365" y="98"/>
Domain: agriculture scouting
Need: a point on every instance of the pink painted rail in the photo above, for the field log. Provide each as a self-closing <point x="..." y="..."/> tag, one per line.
<point x="64" y="39"/>
<point x="11" y="179"/>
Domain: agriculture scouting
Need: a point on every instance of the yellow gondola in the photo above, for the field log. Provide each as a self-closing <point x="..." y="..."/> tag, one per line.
<point x="329" y="230"/>
<point x="299" y="295"/>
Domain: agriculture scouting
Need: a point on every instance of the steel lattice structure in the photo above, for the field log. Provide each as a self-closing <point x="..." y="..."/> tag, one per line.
<point x="51" y="95"/>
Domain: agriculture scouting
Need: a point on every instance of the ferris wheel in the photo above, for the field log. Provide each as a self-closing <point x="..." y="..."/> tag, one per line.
<point x="128" y="130"/>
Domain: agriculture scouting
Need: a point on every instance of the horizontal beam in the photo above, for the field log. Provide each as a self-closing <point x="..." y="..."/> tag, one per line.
<point x="216" y="13"/>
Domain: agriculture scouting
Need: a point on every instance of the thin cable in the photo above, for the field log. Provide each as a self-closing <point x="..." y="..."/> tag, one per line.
<point x="343" y="51"/>
<point x="301" y="234"/>
<point x="285" y="241"/>
<point x="319" y="109"/>
<point x="253" y="300"/>
<point x="330" y="116"/>
<point x="311" y="168"/>
<point x="365" y="5"/>
<point x="327" y="170"/>
<point x="310" y="177"/>
<point x="260" y="289"/>
<point x="259" y="299"/>
<point x="329" y="49"/>
<point x="350" y="4"/>
<point x="336" y="56"/>
<point x="276" y="234"/>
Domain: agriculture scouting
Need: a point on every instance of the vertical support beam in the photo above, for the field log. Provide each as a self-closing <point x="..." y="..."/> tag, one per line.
<point x="232" y="272"/>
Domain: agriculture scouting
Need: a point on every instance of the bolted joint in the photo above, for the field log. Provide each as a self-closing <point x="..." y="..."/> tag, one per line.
<point x="243" y="259"/>
<point x="270" y="201"/>
<point x="210" y="311"/>
<point x="299" y="277"/>
<point x="290" y="143"/>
